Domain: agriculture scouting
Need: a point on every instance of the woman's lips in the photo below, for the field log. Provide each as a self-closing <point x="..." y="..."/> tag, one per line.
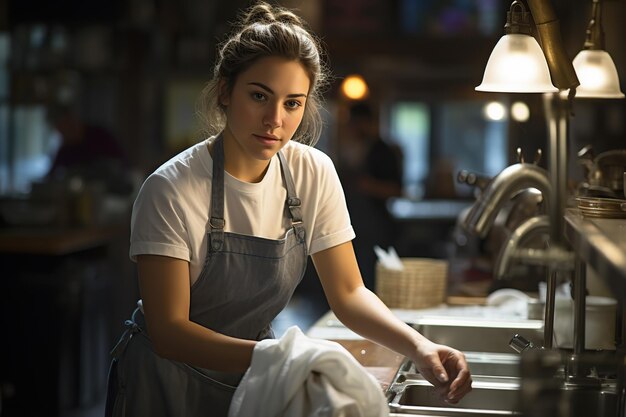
<point x="268" y="140"/>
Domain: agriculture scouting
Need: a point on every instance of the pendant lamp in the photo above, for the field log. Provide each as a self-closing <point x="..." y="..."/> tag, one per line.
<point x="594" y="66"/>
<point x="517" y="63"/>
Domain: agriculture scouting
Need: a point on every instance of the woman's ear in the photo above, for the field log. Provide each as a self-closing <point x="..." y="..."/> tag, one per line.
<point x="223" y="95"/>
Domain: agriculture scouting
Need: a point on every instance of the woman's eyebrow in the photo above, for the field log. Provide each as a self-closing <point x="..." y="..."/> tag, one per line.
<point x="269" y="90"/>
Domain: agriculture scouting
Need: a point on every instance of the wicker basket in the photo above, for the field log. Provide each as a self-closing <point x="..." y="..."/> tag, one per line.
<point x="421" y="284"/>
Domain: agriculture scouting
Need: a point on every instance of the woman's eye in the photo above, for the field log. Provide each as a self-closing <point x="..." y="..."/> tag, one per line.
<point x="258" y="96"/>
<point x="293" y="104"/>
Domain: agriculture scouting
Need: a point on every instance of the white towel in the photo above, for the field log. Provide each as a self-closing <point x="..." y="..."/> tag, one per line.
<point x="297" y="376"/>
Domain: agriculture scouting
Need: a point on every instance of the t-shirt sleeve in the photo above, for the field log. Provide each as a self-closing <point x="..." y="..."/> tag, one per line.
<point x="332" y="221"/>
<point x="158" y="224"/>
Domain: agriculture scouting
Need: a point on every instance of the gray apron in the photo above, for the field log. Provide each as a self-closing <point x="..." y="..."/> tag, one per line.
<point x="245" y="282"/>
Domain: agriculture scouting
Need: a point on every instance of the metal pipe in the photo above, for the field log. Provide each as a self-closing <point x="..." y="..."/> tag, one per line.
<point x="594" y="38"/>
<point x="557" y="114"/>
<point x="548" y="323"/>
<point x="555" y="258"/>
<point x="528" y="230"/>
<point x="580" y="294"/>
<point x="548" y="29"/>
<point x="501" y="189"/>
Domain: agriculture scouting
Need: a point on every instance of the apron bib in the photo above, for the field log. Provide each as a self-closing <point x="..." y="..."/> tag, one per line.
<point x="245" y="282"/>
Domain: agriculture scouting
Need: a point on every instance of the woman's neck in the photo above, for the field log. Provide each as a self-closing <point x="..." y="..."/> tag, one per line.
<point x="238" y="165"/>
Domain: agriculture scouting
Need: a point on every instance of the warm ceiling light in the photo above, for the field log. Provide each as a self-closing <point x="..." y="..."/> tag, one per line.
<point x="494" y="111"/>
<point x="520" y="111"/>
<point x="594" y="66"/>
<point x="354" y="87"/>
<point x="597" y="74"/>
<point x="517" y="63"/>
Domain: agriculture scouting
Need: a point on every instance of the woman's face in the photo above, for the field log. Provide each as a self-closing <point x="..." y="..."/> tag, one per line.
<point x="265" y="107"/>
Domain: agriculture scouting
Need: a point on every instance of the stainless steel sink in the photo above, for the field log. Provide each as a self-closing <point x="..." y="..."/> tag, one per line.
<point x="504" y="383"/>
<point x="493" y="364"/>
<point x="489" y="396"/>
<point x="479" y="334"/>
<point x="480" y="363"/>
<point x="543" y="398"/>
<point x="498" y="390"/>
<point x="495" y="389"/>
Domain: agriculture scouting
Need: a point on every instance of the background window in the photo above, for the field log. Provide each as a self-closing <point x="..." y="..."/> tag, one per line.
<point x="440" y="139"/>
<point x="410" y="128"/>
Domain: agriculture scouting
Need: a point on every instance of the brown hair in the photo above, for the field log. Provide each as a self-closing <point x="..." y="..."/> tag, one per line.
<point x="264" y="30"/>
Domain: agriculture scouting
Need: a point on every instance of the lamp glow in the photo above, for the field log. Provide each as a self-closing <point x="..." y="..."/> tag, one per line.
<point x="494" y="111"/>
<point x="517" y="65"/>
<point x="520" y="111"/>
<point x="594" y="67"/>
<point x="354" y="87"/>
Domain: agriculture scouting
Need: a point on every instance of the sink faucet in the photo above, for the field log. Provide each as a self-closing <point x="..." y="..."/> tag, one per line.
<point x="502" y="188"/>
<point x="534" y="227"/>
<point x="508" y="183"/>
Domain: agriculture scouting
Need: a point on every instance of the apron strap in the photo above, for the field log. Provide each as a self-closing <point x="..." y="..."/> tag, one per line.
<point x="132" y="329"/>
<point x="216" y="219"/>
<point x="293" y="202"/>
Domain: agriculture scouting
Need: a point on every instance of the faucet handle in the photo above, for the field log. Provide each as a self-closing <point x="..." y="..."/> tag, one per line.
<point x="520" y="156"/>
<point x="471" y="178"/>
<point x="462" y="176"/>
<point x="519" y="343"/>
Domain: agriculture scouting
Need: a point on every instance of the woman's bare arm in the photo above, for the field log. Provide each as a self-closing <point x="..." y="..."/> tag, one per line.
<point x="165" y="291"/>
<point x="362" y="311"/>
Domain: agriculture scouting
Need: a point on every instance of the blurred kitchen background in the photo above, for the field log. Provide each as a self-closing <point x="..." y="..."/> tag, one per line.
<point x="94" y="95"/>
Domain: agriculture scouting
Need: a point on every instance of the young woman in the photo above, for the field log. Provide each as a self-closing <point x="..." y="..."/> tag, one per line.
<point x="222" y="231"/>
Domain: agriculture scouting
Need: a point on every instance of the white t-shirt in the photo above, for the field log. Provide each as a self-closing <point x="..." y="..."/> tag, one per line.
<point x="171" y="213"/>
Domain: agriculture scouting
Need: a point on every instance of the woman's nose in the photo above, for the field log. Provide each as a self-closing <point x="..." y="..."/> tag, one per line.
<point x="272" y="117"/>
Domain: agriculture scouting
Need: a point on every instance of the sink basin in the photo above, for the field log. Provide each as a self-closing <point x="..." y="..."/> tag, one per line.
<point x="489" y="396"/>
<point x="479" y="334"/>
<point x="498" y="390"/>
<point x="493" y="364"/>
<point x="480" y="364"/>
<point x="541" y="400"/>
<point x="495" y="389"/>
<point x="600" y="402"/>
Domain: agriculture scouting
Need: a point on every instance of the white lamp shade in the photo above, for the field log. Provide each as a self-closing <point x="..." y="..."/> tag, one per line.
<point x="517" y="65"/>
<point x="597" y="75"/>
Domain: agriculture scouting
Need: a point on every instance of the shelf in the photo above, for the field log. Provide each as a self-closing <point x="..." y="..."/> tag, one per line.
<point x="601" y="244"/>
<point x="403" y="209"/>
<point x="57" y="242"/>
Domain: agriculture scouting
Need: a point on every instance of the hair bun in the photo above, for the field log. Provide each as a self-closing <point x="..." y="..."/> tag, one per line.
<point x="260" y="13"/>
<point x="264" y="13"/>
<point x="285" y="16"/>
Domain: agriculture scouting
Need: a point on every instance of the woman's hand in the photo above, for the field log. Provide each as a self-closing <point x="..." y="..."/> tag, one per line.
<point x="445" y="368"/>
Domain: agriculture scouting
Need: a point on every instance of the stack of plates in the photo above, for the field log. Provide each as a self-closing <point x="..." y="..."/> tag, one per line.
<point x="602" y="207"/>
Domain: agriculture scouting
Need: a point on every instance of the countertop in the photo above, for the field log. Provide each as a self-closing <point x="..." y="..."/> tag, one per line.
<point x="379" y="361"/>
<point x="383" y="363"/>
<point x="404" y="209"/>
<point x="601" y="243"/>
<point x="57" y="241"/>
<point x="329" y="327"/>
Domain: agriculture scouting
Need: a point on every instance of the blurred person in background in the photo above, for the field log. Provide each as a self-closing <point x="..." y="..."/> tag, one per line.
<point x="373" y="175"/>
<point x="90" y="163"/>
<point x="84" y="146"/>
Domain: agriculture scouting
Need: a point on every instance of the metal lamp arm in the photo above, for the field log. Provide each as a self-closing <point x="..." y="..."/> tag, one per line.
<point x="548" y="28"/>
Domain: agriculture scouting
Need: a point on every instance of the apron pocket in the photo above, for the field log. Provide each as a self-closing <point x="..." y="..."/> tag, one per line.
<point x="151" y="385"/>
